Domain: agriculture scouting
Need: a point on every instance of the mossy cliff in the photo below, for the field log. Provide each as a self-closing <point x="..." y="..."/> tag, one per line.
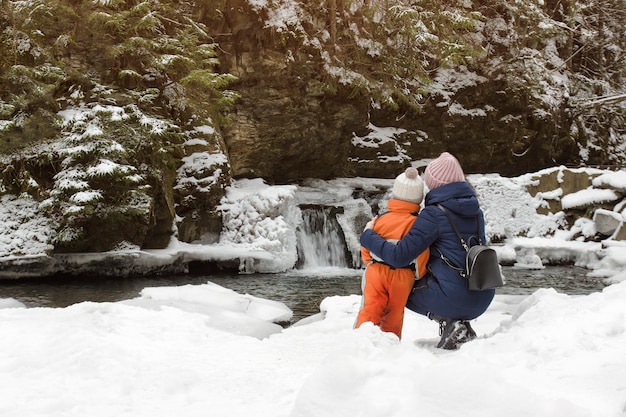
<point x="125" y="121"/>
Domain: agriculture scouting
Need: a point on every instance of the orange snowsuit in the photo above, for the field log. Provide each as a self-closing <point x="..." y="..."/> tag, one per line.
<point x="386" y="289"/>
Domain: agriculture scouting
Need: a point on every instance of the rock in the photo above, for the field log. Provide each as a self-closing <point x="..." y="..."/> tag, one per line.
<point x="614" y="180"/>
<point x="588" y="198"/>
<point x="620" y="233"/>
<point x="607" y="221"/>
<point x="568" y="180"/>
<point x="281" y="133"/>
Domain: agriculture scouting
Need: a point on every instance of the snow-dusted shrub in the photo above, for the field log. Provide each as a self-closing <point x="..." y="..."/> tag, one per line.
<point x="510" y="210"/>
<point x="256" y="215"/>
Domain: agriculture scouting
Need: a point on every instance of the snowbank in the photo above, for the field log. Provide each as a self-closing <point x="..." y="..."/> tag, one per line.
<point x="189" y="351"/>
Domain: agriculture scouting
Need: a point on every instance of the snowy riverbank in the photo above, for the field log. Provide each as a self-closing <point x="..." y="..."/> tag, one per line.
<point x="558" y="215"/>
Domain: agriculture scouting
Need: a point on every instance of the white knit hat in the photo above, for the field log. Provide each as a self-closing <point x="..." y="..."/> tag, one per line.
<point x="408" y="186"/>
<point x="443" y="170"/>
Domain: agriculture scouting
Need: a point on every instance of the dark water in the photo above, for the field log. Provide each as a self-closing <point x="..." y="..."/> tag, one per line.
<point x="302" y="291"/>
<point x="565" y="279"/>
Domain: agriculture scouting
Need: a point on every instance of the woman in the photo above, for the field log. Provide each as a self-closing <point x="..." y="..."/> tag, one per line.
<point x="443" y="294"/>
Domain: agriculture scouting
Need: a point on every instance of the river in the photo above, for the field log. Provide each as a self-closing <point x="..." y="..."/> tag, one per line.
<point x="300" y="290"/>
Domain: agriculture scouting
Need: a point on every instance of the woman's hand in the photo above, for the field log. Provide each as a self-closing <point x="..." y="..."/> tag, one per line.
<point x="370" y="224"/>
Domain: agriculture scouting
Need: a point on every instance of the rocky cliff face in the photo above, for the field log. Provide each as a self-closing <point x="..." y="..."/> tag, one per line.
<point x="125" y="122"/>
<point x="293" y="123"/>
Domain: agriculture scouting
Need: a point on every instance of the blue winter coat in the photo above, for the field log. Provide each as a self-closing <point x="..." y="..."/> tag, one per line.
<point x="444" y="292"/>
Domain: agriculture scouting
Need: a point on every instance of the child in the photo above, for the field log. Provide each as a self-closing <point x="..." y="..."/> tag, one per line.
<point x="385" y="288"/>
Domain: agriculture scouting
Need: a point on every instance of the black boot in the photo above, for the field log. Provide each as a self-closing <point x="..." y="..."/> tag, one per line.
<point x="471" y="334"/>
<point x="453" y="333"/>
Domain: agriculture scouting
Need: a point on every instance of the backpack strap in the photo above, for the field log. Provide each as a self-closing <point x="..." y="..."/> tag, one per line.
<point x="456" y="230"/>
<point x="461" y="271"/>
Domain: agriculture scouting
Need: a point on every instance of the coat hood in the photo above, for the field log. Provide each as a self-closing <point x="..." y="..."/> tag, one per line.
<point x="458" y="197"/>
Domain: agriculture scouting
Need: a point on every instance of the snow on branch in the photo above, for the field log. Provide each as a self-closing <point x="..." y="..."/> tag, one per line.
<point x="614" y="99"/>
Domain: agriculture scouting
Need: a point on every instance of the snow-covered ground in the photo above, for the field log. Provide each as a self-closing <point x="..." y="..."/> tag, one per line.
<point x="203" y="350"/>
<point x="206" y="351"/>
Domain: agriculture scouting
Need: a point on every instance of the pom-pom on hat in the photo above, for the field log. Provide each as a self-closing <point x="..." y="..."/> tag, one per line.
<point x="443" y="170"/>
<point x="408" y="186"/>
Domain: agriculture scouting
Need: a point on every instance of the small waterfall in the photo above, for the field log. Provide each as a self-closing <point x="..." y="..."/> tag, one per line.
<point x="321" y="241"/>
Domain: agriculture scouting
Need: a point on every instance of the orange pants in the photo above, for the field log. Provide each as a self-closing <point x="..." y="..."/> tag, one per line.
<point x="385" y="292"/>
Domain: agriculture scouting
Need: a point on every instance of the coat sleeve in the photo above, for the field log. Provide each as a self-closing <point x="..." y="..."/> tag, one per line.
<point x="422" y="234"/>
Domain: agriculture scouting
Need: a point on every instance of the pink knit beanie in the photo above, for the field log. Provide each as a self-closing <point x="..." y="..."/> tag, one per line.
<point x="408" y="186"/>
<point x="443" y="170"/>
